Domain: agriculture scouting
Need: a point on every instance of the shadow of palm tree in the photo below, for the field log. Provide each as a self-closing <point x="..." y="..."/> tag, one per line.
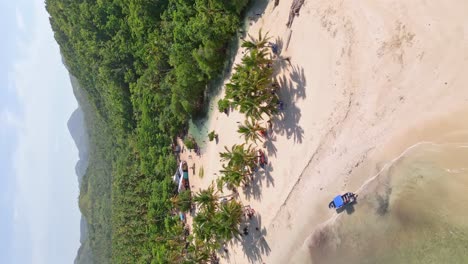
<point x="270" y="181"/>
<point x="254" y="244"/>
<point x="270" y="147"/>
<point x="279" y="44"/>
<point x="288" y="120"/>
<point x="298" y="78"/>
<point x="253" y="190"/>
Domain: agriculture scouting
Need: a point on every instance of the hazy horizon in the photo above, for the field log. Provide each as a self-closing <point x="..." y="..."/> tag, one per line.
<point x="40" y="219"/>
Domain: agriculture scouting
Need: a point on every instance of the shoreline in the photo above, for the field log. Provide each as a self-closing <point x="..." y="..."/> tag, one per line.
<point x="360" y="100"/>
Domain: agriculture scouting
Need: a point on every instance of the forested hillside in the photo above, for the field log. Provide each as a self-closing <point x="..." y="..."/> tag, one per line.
<point x="144" y="66"/>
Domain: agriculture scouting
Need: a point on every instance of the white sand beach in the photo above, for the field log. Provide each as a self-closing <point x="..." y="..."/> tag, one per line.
<point x="367" y="80"/>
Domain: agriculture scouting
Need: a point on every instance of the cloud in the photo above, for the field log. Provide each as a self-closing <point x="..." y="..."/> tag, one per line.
<point x="9" y="119"/>
<point x="10" y="82"/>
<point x="45" y="213"/>
<point x="19" y="20"/>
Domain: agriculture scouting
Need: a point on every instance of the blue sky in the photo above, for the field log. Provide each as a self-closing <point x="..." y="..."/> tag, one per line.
<point x="39" y="216"/>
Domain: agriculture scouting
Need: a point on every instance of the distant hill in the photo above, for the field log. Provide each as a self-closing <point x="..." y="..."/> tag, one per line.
<point x="78" y="130"/>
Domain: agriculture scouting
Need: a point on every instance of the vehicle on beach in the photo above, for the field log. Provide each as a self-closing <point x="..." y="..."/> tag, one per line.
<point x="342" y="200"/>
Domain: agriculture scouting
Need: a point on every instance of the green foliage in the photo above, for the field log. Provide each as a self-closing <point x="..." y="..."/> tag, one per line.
<point x="251" y="89"/>
<point x="241" y="162"/>
<point x="251" y="131"/>
<point x="189" y="142"/>
<point x="212" y="135"/>
<point x="223" y="105"/>
<point x="144" y="66"/>
<point x="239" y="156"/>
<point x="206" y="200"/>
<point x="216" y="222"/>
<point x="185" y="200"/>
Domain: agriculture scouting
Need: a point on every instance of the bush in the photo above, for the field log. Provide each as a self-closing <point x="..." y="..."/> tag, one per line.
<point x="223" y="105"/>
<point x="189" y="142"/>
<point x="212" y="135"/>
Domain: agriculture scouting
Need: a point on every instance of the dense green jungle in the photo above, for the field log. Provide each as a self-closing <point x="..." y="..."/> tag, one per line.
<point x="144" y="67"/>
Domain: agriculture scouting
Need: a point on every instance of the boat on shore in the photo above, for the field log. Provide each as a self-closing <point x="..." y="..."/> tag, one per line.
<point x="181" y="177"/>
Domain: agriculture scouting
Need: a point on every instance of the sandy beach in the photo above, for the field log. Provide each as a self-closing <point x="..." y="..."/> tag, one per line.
<point x="367" y="80"/>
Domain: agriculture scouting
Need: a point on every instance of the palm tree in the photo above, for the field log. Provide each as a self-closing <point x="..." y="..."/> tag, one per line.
<point x="227" y="220"/>
<point x="239" y="156"/>
<point x="256" y="57"/>
<point x="250" y="108"/>
<point x="251" y="131"/>
<point x="207" y="199"/>
<point x="203" y="227"/>
<point x="199" y="251"/>
<point x="182" y="201"/>
<point x="233" y="176"/>
<point x="258" y="44"/>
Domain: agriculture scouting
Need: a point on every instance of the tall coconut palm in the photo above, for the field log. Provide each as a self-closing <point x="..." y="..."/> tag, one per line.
<point x="203" y="227"/>
<point x="199" y="251"/>
<point x="207" y="199"/>
<point x="239" y="156"/>
<point x="256" y="58"/>
<point x="250" y="130"/>
<point x="250" y="108"/>
<point x="233" y="176"/>
<point x="184" y="200"/>
<point x="227" y="220"/>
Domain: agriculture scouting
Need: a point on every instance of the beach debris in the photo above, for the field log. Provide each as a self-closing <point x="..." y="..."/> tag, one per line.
<point x="295" y="8"/>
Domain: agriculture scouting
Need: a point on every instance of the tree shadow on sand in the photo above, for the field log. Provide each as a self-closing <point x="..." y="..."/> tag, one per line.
<point x="254" y="244"/>
<point x="254" y="189"/>
<point x="270" y="146"/>
<point x="291" y="90"/>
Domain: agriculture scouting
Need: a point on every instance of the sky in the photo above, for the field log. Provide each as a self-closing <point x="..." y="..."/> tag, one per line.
<point x="39" y="215"/>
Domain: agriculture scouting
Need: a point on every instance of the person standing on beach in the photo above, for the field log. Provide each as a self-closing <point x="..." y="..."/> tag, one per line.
<point x="270" y="125"/>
